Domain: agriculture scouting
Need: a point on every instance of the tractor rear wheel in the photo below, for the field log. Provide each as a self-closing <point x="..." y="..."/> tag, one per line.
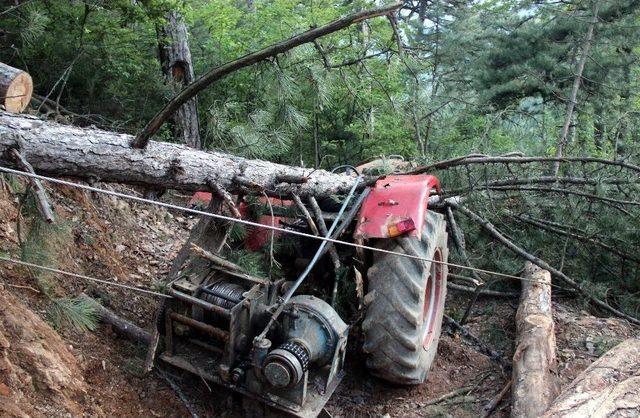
<point x="405" y="304"/>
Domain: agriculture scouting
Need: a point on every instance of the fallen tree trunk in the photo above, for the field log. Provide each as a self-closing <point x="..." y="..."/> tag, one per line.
<point x="610" y="387"/>
<point x="16" y="88"/>
<point x="62" y="150"/>
<point x="120" y="326"/>
<point x="534" y="362"/>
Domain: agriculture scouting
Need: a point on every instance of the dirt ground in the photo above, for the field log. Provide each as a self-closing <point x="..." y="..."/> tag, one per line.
<point x="59" y="373"/>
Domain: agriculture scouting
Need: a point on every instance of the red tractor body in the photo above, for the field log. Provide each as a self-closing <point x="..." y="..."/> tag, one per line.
<point x="396" y="206"/>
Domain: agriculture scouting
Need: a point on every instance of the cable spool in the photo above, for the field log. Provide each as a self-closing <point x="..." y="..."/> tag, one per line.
<point x="223" y="294"/>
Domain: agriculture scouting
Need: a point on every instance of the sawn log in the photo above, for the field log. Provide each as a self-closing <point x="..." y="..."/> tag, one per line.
<point x="610" y="387"/>
<point x="16" y="88"/>
<point x="535" y="384"/>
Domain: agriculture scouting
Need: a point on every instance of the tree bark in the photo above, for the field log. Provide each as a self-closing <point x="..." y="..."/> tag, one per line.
<point x="219" y="72"/>
<point x="63" y="150"/>
<point x="16" y="88"/>
<point x="534" y="363"/>
<point x="175" y="59"/>
<point x="610" y="387"/>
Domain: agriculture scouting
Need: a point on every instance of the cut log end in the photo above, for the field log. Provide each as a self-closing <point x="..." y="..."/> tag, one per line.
<point x="16" y="88"/>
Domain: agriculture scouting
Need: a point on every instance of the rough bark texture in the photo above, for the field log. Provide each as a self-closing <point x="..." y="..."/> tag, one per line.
<point x="610" y="387"/>
<point x="534" y="362"/>
<point x="16" y="88"/>
<point x="175" y="59"/>
<point x="62" y="150"/>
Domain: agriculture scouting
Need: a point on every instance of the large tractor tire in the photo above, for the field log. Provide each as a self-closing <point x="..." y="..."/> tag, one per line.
<point x="405" y="304"/>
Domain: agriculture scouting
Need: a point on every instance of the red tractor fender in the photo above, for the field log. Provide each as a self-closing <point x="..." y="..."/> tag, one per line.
<point x="396" y="205"/>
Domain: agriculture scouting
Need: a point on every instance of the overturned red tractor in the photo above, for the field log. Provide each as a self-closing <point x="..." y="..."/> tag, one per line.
<point x="264" y="310"/>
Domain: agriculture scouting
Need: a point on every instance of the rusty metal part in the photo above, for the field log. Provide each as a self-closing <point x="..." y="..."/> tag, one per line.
<point x="200" y="326"/>
<point x="286" y="365"/>
<point x="200" y="303"/>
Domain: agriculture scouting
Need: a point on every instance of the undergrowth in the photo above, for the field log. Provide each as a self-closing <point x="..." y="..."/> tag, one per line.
<point x="48" y="245"/>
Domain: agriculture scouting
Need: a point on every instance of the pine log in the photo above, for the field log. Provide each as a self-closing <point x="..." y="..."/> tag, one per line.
<point x="610" y="387"/>
<point x="16" y="88"/>
<point x="62" y="150"/>
<point x="535" y="384"/>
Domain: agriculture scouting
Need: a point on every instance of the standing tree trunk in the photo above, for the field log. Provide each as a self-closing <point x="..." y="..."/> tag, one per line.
<point x="15" y="89"/>
<point x="571" y="104"/>
<point x="534" y="361"/>
<point x="175" y="58"/>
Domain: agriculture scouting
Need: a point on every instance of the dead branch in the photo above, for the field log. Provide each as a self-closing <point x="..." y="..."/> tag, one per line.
<point x="478" y="344"/>
<point x="466" y="279"/>
<point x="333" y="253"/>
<point x="226" y="198"/>
<point x="535" y="384"/>
<point x="483" y="292"/>
<point x="185" y="400"/>
<point x="475" y="159"/>
<point x="565" y="191"/>
<point x="120" y="325"/>
<point x="271" y="51"/>
<point x="458" y="240"/>
<point x="495" y="401"/>
<point x="551" y="228"/>
<point x="551" y="180"/>
<point x="225" y="266"/>
<point x="449" y="395"/>
<point x="302" y="208"/>
<point x="577" y="81"/>
<point x="487" y="226"/>
<point x="39" y="192"/>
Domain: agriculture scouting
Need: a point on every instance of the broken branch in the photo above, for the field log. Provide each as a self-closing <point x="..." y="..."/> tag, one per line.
<point x="120" y="325"/>
<point x="543" y="264"/>
<point x="39" y="192"/>
<point x="271" y="51"/>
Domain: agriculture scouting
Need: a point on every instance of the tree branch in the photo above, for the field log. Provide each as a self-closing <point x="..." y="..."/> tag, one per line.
<point x="487" y="226"/>
<point x="219" y="72"/>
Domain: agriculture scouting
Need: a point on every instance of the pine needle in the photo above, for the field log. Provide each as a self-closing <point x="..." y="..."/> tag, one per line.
<point x="75" y="313"/>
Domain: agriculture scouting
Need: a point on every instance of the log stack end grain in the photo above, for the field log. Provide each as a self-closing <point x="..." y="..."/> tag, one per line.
<point x="16" y="88"/>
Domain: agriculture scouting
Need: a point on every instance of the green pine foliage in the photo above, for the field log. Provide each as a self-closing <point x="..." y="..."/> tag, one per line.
<point x="473" y="77"/>
<point x="76" y="313"/>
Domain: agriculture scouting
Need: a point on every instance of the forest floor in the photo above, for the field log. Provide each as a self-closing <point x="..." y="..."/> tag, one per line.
<point x="49" y="372"/>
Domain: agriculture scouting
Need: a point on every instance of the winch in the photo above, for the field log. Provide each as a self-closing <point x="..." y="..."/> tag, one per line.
<point x="270" y="335"/>
<point x="217" y="340"/>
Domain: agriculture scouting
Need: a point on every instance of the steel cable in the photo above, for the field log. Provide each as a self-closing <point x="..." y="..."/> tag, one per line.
<point x="252" y="224"/>
<point x="82" y="276"/>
